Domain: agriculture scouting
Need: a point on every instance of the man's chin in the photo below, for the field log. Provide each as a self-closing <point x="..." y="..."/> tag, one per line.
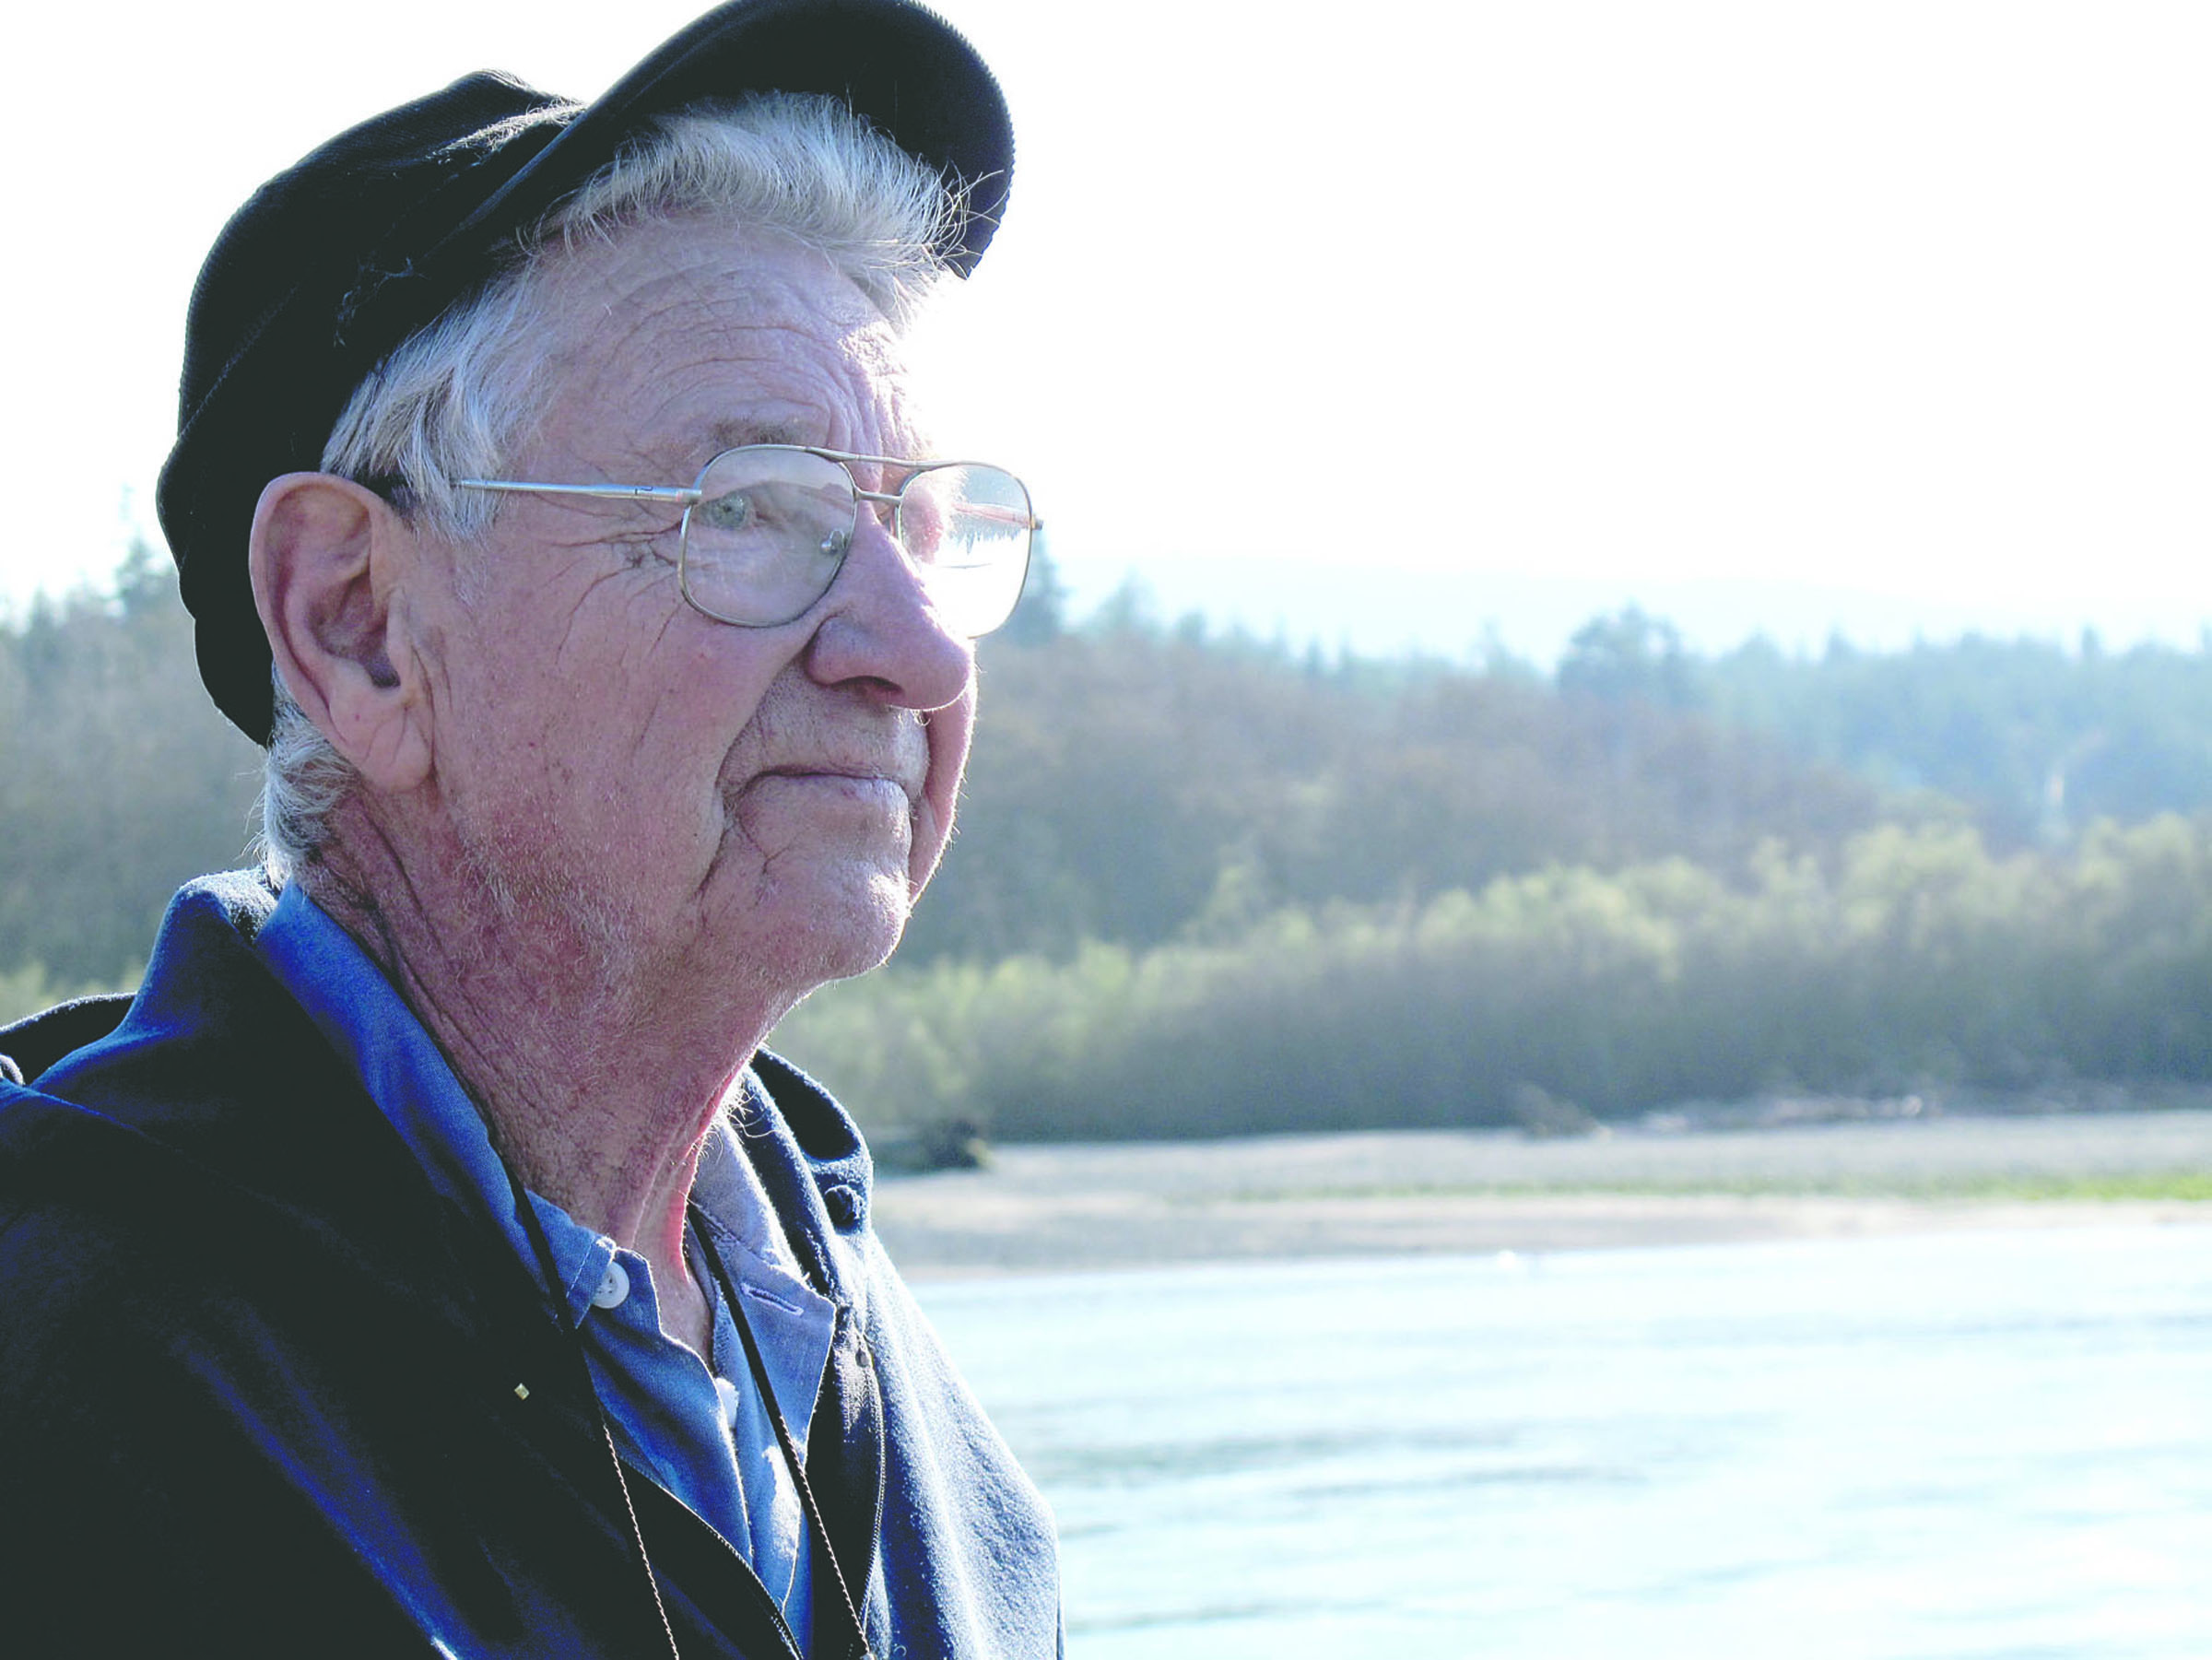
<point x="837" y="934"/>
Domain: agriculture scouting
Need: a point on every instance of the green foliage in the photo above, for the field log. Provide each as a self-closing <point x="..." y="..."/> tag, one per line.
<point x="120" y="780"/>
<point x="27" y="989"/>
<point x="1920" y="959"/>
<point x="1124" y="775"/>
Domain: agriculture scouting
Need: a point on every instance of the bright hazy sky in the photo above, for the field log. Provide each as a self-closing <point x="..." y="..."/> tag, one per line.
<point x="1390" y="324"/>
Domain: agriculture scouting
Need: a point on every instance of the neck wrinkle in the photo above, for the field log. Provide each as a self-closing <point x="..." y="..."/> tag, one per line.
<point x="599" y="1088"/>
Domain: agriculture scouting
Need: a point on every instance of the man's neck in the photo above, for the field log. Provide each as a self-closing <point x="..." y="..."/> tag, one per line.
<point x="599" y="1078"/>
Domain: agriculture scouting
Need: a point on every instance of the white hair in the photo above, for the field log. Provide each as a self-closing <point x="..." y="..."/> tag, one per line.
<point x="453" y="400"/>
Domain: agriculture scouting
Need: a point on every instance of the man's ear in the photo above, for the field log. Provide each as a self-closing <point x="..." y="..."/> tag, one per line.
<point x="330" y="561"/>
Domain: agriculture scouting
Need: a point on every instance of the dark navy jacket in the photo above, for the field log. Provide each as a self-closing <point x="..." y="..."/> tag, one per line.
<point x="264" y="1392"/>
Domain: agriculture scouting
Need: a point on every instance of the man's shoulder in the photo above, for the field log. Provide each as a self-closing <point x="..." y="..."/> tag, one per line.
<point x="38" y="1043"/>
<point x="191" y="1178"/>
<point x="205" y="1010"/>
<point x="262" y="1403"/>
<point x="207" y="1102"/>
<point x="204" y="943"/>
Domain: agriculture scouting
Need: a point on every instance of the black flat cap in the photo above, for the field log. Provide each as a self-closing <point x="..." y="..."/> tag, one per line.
<point x="335" y="262"/>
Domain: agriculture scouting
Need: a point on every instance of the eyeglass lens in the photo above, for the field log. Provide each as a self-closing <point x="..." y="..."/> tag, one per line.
<point x="772" y="525"/>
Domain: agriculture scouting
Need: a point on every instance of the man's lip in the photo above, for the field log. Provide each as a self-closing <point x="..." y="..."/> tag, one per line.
<point x="859" y="773"/>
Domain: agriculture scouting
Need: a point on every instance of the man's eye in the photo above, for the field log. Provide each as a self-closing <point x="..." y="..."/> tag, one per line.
<point x="735" y="511"/>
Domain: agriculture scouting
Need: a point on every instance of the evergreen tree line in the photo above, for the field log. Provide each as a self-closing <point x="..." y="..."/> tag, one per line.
<point x="2038" y="740"/>
<point x="1206" y="883"/>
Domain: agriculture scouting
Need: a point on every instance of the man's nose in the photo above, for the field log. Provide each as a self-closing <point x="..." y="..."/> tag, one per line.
<point x="878" y="627"/>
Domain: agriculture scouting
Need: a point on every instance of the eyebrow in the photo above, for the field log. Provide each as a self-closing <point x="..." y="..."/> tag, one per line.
<point x="737" y="434"/>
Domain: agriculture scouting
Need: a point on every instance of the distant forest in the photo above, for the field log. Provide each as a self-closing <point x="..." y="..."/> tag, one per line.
<point x="1206" y="883"/>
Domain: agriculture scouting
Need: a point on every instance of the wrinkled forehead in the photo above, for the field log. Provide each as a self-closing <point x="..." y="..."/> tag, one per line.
<point x="686" y="332"/>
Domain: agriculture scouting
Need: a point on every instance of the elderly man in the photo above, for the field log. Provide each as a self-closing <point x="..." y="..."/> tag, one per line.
<point x="429" y="1261"/>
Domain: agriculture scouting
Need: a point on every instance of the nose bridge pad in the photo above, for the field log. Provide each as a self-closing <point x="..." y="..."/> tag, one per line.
<point x="884" y="508"/>
<point x="881" y="510"/>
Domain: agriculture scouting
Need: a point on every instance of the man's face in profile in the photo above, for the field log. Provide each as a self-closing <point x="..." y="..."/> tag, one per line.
<point x="690" y="800"/>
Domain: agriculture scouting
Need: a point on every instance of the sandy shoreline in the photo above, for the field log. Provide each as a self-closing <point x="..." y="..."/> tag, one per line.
<point x="1068" y="1208"/>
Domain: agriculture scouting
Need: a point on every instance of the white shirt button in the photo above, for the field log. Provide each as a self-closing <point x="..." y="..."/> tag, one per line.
<point x="613" y="1289"/>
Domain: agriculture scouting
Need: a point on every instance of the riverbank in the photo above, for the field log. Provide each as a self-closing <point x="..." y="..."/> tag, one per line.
<point x="1100" y="1205"/>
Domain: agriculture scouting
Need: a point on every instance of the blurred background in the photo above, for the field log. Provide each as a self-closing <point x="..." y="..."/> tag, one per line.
<point x="1621" y="678"/>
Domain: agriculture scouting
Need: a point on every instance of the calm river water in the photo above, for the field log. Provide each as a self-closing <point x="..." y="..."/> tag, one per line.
<point x="1995" y="1445"/>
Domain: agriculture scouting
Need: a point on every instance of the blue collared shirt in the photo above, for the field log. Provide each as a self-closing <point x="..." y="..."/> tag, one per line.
<point x="694" y="1424"/>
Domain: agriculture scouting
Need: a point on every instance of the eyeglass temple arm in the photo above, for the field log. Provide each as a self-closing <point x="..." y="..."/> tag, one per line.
<point x="689" y="496"/>
<point x="605" y="493"/>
